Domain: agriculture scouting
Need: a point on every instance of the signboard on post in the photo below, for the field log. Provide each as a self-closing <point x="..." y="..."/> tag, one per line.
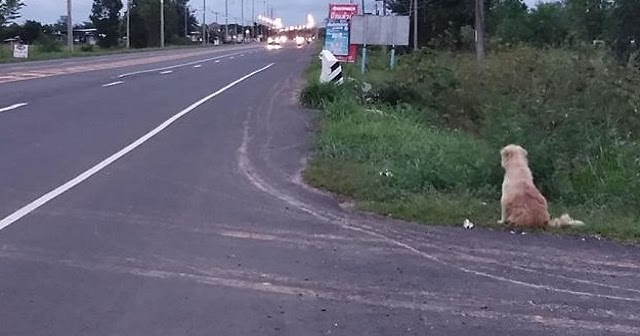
<point x="380" y="30"/>
<point x="21" y="50"/>
<point x="340" y="23"/>
<point x="337" y="38"/>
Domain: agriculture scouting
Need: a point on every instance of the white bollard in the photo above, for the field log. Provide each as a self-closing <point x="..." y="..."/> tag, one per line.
<point x="331" y="69"/>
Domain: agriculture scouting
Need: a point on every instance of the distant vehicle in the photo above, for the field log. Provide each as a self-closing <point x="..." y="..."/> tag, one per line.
<point x="299" y="40"/>
<point x="273" y="40"/>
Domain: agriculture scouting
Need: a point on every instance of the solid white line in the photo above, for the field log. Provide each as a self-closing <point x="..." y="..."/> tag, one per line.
<point x="25" y="210"/>
<point x="112" y="84"/>
<point x="177" y="66"/>
<point x="166" y="72"/>
<point x="12" y="107"/>
<point x="198" y="66"/>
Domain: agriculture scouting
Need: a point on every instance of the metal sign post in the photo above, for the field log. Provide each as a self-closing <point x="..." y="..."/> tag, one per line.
<point x="380" y="30"/>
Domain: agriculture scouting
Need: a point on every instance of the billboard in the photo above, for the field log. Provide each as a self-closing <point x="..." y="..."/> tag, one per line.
<point x="338" y="28"/>
<point x="380" y="30"/>
<point x="337" y="38"/>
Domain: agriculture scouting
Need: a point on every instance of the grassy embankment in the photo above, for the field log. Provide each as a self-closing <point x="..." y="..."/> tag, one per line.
<point x="437" y="126"/>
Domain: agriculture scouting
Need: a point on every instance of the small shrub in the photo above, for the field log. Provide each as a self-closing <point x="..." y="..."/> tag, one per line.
<point x="87" y="48"/>
<point x="48" y="44"/>
<point x="316" y="94"/>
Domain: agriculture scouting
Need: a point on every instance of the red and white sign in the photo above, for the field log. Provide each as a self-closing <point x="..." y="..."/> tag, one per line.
<point x="344" y="11"/>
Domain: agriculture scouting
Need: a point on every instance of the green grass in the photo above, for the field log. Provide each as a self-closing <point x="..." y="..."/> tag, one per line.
<point x="441" y="174"/>
<point x="35" y="54"/>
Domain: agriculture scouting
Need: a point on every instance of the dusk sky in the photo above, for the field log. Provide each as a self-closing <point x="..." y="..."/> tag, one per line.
<point x="292" y="12"/>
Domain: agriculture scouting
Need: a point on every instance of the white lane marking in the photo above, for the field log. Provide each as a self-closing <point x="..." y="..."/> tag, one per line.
<point x="197" y="66"/>
<point x="166" y="72"/>
<point x="176" y="66"/>
<point x="25" y="210"/>
<point x="231" y="57"/>
<point x="12" y="107"/>
<point x="113" y="84"/>
<point x="217" y="61"/>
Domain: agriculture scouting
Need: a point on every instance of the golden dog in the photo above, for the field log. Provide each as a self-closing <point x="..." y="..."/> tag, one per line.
<point x="522" y="203"/>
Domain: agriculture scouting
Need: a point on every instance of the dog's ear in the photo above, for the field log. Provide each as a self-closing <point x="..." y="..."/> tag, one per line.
<point x="506" y="153"/>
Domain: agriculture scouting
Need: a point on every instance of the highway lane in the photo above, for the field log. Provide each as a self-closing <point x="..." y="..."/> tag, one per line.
<point x="205" y="229"/>
<point x="69" y="129"/>
<point x="101" y="71"/>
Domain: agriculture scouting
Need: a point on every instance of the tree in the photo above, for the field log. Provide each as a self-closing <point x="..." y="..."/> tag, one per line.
<point x="105" y="15"/>
<point x="549" y="24"/>
<point x="9" y="11"/>
<point x="624" y="29"/>
<point x="587" y="17"/>
<point x="508" y="21"/>
<point x="145" y="22"/>
<point x="439" y="22"/>
<point x="31" y="31"/>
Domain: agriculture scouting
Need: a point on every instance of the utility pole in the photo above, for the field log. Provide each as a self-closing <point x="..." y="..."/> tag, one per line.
<point x="161" y="23"/>
<point x="479" y="33"/>
<point x="226" y="21"/>
<point x="128" y="24"/>
<point x="253" y="18"/>
<point x="69" y="27"/>
<point x="415" y="25"/>
<point x="242" y="19"/>
<point x="204" y="22"/>
<point x="186" y="15"/>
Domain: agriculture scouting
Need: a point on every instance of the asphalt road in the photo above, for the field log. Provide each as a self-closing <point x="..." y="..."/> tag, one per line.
<point x="169" y="202"/>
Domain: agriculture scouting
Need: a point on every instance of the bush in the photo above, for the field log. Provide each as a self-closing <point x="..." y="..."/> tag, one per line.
<point x="87" y="48"/>
<point x="48" y="44"/>
<point x="424" y="143"/>
<point x="316" y="94"/>
<point x="577" y="113"/>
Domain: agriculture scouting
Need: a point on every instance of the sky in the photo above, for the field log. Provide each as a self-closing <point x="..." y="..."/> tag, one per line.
<point x="292" y="12"/>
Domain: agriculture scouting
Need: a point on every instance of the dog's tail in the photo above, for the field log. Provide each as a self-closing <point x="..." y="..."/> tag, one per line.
<point x="565" y="221"/>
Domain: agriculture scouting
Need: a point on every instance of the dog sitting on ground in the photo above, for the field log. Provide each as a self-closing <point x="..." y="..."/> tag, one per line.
<point x="522" y="203"/>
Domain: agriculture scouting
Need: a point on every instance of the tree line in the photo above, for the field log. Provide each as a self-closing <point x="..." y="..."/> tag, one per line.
<point x="449" y="23"/>
<point x="108" y="17"/>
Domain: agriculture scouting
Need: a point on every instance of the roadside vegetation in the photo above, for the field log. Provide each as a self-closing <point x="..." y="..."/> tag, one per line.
<point x="422" y="142"/>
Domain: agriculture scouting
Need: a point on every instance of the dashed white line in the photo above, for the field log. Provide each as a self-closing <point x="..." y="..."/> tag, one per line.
<point x="27" y="209"/>
<point x="177" y="66"/>
<point x="12" y="107"/>
<point x="197" y="66"/>
<point x="113" y="84"/>
<point x="231" y="57"/>
<point x="217" y="61"/>
<point x="166" y="72"/>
